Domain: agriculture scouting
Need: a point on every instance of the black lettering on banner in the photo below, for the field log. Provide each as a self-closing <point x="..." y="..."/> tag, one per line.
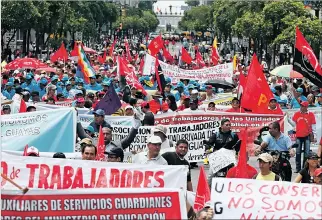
<point x="220" y="209"/>
<point x="222" y="188"/>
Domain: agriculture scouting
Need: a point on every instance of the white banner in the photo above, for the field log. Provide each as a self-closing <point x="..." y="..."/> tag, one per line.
<point x="193" y="133"/>
<point x="45" y="173"/>
<point x="221" y="158"/>
<point x="149" y="65"/>
<point x="223" y="72"/>
<point x="255" y="199"/>
<point x="112" y="120"/>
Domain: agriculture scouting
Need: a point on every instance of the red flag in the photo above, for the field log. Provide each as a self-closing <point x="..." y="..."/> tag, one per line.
<point x="23" y="106"/>
<point x="25" y="150"/>
<point x="155" y="45"/>
<point x="100" y="146"/>
<point x="203" y="191"/>
<point x="214" y="53"/>
<point x="102" y="59"/>
<point x="241" y="86"/>
<point x="167" y="55"/>
<point x="242" y="170"/>
<point x="199" y="59"/>
<point x="257" y="93"/>
<point x="74" y="52"/>
<point x="185" y="56"/>
<point x="305" y="61"/>
<point x="141" y="66"/>
<point x="129" y="74"/>
<point x="128" y="53"/>
<point x="112" y="47"/>
<point x="60" y="54"/>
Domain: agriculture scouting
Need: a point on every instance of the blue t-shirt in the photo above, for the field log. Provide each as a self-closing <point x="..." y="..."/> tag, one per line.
<point x="283" y="143"/>
<point x="295" y="104"/>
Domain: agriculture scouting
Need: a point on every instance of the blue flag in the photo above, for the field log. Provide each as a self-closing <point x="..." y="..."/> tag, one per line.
<point x="110" y="103"/>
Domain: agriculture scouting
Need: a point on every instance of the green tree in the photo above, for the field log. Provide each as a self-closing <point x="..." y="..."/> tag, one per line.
<point x="197" y="19"/>
<point x="146" y="5"/>
<point x="192" y="2"/>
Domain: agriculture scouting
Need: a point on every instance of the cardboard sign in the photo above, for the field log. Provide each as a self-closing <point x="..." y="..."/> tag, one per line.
<point x="255" y="199"/>
<point x="95" y="204"/>
<point x="45" y="173"/>
<point x="221" y="158"/>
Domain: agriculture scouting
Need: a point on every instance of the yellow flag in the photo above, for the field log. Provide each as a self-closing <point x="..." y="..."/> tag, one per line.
<point x="214" y="44"/>
<point x="235" y="62"/>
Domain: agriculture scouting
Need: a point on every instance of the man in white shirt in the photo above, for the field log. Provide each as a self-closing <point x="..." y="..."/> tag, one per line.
<point x="152" y="156"/>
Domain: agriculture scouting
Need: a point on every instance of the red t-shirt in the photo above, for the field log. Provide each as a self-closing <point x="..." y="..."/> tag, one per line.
<point x="154" y="106"/>
<point x="304" y="122"/>
<point x="241" y="110"/>
<point x="251" y="172"/>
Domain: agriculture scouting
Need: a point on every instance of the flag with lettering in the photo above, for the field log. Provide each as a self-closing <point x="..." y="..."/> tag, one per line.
<point x="60" y="54"/>
<point x="203" y="191"/>
<point x="257" y="94"/>
<point x="305" y="61"/>
<point x="155" y="45"/>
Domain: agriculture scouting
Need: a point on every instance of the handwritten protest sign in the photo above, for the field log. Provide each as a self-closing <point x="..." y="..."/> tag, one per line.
<point x="221" y="158"/>
<point x="253" y="199"/>
<point x="45" y="173"/>
<point x="49" y="131"/>
<point x="95" y="204"/>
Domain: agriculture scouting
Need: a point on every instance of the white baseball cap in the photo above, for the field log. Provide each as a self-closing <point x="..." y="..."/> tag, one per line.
<point x="154" y="140"/>
<point x="194" y="91"/>
<point x="32" y="150"/>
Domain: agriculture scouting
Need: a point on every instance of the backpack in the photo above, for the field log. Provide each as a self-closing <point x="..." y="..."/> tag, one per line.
<point x="277" y="177"/>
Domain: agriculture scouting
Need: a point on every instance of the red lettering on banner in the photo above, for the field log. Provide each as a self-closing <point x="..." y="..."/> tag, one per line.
<point x="55" y="178"/>
<point x="294" y="205"/>
<point x="114" y="178"/>
<point x="4" y="167"/>
<point x="102" y="180"/>
<point x="261" y="189"/>
<point x="32" y="168"/>
<point x="147" y="179"/>
<point x="78" y="180"/>
<point x="43" y="175"/>
<point x="159" y="178"/>
<point x="240" y="188"/>
<point x="93" y="179"/>
<point x="315" y="192"/>
<point x="137" y="179"/>
<point x="126" y="179"/>
<point x="266" y="202"/>
<point x="68" y="174"/>
<point x="248" y="203"/>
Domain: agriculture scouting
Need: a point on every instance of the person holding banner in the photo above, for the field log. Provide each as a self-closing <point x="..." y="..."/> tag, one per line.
<point x="152" y="156"/>
<point x="235" y="106"/>
<point x="177" y="158"/>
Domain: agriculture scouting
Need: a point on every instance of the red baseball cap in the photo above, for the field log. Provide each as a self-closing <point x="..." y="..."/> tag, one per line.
<point x="318" y="172"/>
<point x="305" y="104"/>
<point x="144" y="104"/>
<point x="80" y="100"/>
<point x="186" y="97"/>
<point x="165" y="106"/>
<point x="209" y="87"/>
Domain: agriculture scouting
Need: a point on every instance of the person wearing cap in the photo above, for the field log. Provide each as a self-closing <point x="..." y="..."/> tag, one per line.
<point x="32" y="152"/>
<point x="272" y="107"/>
<point x="105" y="85"/>
<point x="99" y="116"/>
<point x="6" y="110"/>
<point x="54" y="81"/>
<point x="319" y="100"/>
<point x="155" y="103"/>
<point x="210" y="96"/>
<point x="282" y="103"/>
<point x="193" y="106"/>
<point x="116" y="154"/>
<point x="148" y="115"/>
<point x="41" y="87"/>
<point x="50" y="93"/>
<point x="72" y="81"/>
<point x="235" y="106"/>
<point x="90" y="96"/>
<point x="194" y="94"/>
<point x="31" y="108"/>
<point x="29" y="84"/>
<point x="177" y="158"/>
<point x="265" y="161"/>
<point x="129" y="111"/>
<point x="305" y="130"/>
<point x="161" y="131"/>
<point x="67" y="89"/>
<point x="80" y="103"/>
<point x="164" y="108"/>
<point x="298" y="98"/>
<point x="93" y="85"/>
<point x="306" y="175"/>
<point x="152" y="156"/>
<point x="9" y="92"/>
<point x="318" y="176"/>
<point x="133" y="92"/>
<point x="167" y="92"/>
<point x="90" y="131"/>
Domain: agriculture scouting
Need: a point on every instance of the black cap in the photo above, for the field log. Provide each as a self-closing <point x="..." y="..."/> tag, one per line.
<point x="235" y="98"/>
<point x="6" y="107"/>
<point x="117" y="152"/>
<point x="312" y="155"/>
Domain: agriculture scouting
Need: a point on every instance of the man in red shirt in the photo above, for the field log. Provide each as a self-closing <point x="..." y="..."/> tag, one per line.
<point x="235" y="104"/>
<point x="273" y="107"/>
<point x="305" y="129"/>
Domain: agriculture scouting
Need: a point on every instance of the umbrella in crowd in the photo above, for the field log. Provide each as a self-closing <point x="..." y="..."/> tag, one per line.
<point x="287" y="72"/>
<point x="25" y="63"/>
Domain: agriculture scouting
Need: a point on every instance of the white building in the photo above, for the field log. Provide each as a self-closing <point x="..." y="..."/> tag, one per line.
<point x="167" y="18"/>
